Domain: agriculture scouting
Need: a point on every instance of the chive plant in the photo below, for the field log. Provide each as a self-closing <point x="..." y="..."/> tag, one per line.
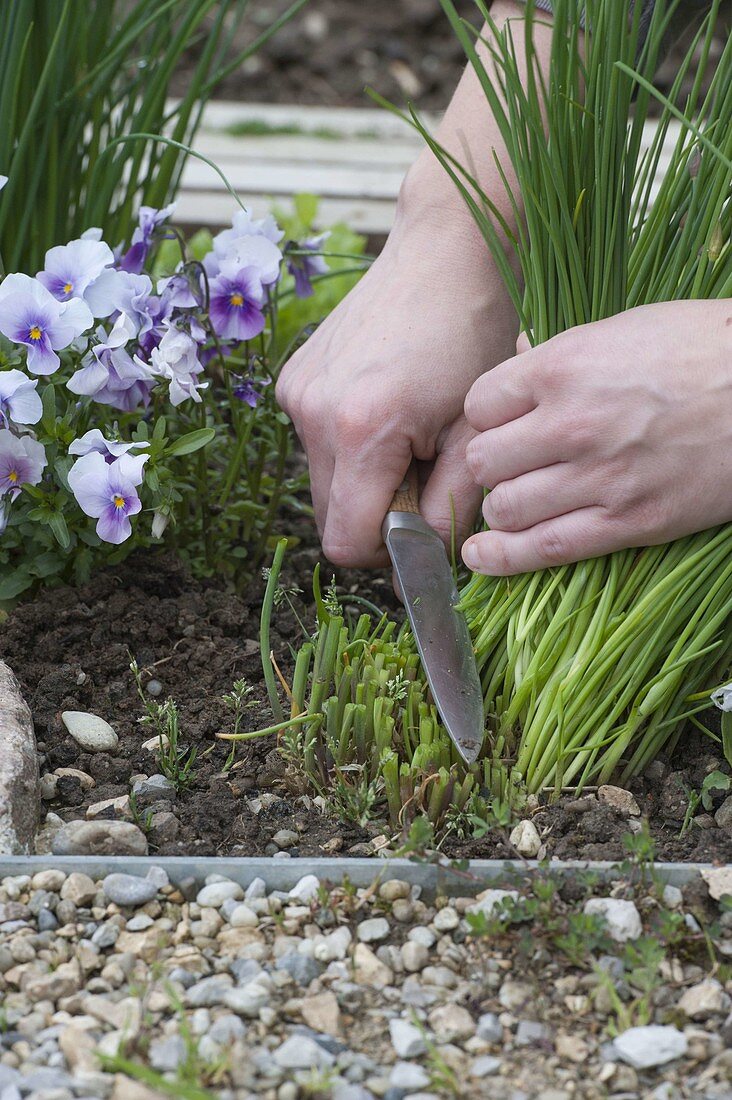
<point x="588" y="670"/>
<point x="77" y="79"/>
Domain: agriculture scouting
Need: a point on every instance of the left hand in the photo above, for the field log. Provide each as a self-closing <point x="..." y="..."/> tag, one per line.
<point x="610" y="435"/>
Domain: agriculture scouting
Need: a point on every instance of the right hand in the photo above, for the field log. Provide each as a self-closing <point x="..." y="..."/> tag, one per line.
<point x="385" y="377"/>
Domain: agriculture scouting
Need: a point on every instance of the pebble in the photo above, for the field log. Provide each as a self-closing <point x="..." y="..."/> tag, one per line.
<point x="489" y="900"/>
<point x="653" y="1045"/>
<point x="621" y="917"/>
<point x="531" y="1033"/>
<point x="301" y="1052"/>
<point x="451" y="1023"/>
<point x="415" y="956"/>
<point x="167" y="1055"/>
<point x="90" y="731"/>
<point x="241" y="916"/>
<point x="394" y="888"/>
<point x="446" y="919"/>
<point x="285" y="838"/>
<point x="618" y="799"/>
<point x="373" y="930"/>
<point x="704" y="1000"/>
<point x="672" y="897"/>
<point x="156" y="788"/>
<point x="489" y="1028"/>
<point x="306" y="890"/>
<point x="408" y="1076"/>
<point x="525" y="839"/>
<point x="486" y="1066"/>
<point x="129" y="890"/>
<point x="99" y="838"/>
<point x="322" y="1013"/>
<point x="407" y="1040"/>
<point x="79" y="888"/>
<point x="216" y="893"/>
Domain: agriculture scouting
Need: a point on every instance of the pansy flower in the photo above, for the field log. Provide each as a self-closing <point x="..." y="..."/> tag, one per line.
<point x="110" y="449"/>
<point x="19" y="400"/>
<point x="236" y="306"/>
<point x="22" y="462"/>
<point x="30" y="315"/>
<point x="148" y="220"/>
<point x="237" y="252"/>
<point x="111" y="376"/>
<point x="246" y="391"/>
<point x="108" y="492"/>
<point x="306" y="263"/>
<point x="176" y="360"/>
<point x="70" y="269"/>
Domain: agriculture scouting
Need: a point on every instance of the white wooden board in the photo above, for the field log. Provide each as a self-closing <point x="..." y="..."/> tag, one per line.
<point x="353" y="159"/>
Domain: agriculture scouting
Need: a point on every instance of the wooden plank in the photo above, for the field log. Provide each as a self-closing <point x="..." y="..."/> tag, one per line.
<point x="357" y="174"/>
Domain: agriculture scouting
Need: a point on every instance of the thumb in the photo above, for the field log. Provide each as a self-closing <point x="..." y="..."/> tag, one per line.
<point x="451" y="488"/>
<point x="522" y="344"/>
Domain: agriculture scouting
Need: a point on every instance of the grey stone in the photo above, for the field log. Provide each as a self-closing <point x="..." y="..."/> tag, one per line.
<point x="226" y="1029"/>
<point x="301" y="1052"/>
<point x="129" y="890"/>
<point x="654" y="1045"/>
<point x="531" y="1033"/>
<point x="154" y="789"/>
<point x="99" y="838"/>
<point x="373" y="930"/>
<point x="247" y="1000"/>
<point x="485" y="1066"/>
<point x="407" y="1040"/>
<point x="208" y="991"/>
<point x="90" y="731"/>
<point x="301" y="968"/>
<point x="107" y="935"/>
<point x="489" y="1028"/>
<point x="19" y="780"/>
<point x="245" y="970"/>
<point x="407" y="1075"/>
<point x="166" y="1055"/>
<point x="47" y="921"/>
<point x="216" y="893"/>
<point x="285" y="838"/>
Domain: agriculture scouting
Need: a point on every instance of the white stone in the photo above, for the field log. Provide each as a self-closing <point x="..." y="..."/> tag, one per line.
<point x="525" y="839"/>
<point x="672" y="897"/>
<point x="407" y="1075"/>
<point x="718" y="880"/>
<point x="90" y="731"/>
<point x="406" y="1039"/>
<point x="451" y="1023"/>
<point x="214" y="895"/>
<point x="242" y="916"/>
<point x="490" y="900"/>
<point x="301" y="1052"/>
<point x="257" y="888"/>
<point x="306" y="890"/>
<point x="422" y="935"/>
<point x="446" y="919"/>
<point x="621" y="917"/>
<point x="247" y="1000"/>
<point x="333" y="946"/>
<point x="373" y="930"/>
<point x="415" y="956"/>
<point x="368" y="969"/>
<point x="703" y="1000"/>
<point x="654" y="1045"/>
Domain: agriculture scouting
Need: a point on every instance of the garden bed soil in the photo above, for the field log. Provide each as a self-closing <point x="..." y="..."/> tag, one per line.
<point x="71" y="650"/>
<point x="331" y="52"/>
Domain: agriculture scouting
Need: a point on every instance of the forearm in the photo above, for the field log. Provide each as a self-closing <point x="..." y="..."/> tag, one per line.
<point x="470" y="133"/>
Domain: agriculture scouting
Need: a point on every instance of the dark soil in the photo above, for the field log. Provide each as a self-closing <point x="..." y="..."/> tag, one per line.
<point x="334" y="49"/>
<point x="71" y="650"/>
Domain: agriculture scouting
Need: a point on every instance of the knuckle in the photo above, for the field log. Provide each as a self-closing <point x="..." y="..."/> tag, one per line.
<point x="355" y="423"/>
<point x="474" y="461"/>
<point x="500" y="509"/>
<point x="552" y="547"/>
<point x="473" y="405"/>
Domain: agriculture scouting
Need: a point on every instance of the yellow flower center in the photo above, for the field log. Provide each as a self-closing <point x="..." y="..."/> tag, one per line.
<point x="119" y="502"/>
<point x="13" y="476"/>
<point x="237" y="299"/>
<point x="35" y="332"/>
<point x="68" y="287"/>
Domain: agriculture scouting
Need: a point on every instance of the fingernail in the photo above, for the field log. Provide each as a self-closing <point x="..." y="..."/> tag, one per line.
<point x="470" y="555"/>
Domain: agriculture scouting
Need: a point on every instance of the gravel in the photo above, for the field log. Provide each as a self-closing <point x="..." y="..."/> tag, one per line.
<point x="263" y="993"/>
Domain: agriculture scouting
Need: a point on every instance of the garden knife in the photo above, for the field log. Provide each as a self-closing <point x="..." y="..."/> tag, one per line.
<point x="441" y="632"/>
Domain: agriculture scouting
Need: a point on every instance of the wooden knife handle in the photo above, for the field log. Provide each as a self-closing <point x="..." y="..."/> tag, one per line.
<point x="406" y="498"/>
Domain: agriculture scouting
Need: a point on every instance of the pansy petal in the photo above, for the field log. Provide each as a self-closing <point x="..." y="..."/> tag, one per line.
<point x="113" y="525"/>
<point x="89" y="482"/>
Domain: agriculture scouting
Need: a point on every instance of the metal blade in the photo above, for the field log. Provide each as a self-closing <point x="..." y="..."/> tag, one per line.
<point x="429" y="593"/>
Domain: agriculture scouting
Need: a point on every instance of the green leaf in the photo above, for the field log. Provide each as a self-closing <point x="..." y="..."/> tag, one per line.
<point x="306" y="208"/>
<point x="191" y="442"/>
<point x="160" y="428"/>
<point x="57" y="523"/>
<point x="15" y="583"/>
<point x="48" y="417"/>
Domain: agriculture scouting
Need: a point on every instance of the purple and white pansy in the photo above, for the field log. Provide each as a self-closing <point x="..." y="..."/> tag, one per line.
<point x="30" y="315"/>
<point x="108" y="492"/>
<point x="22" y="462"/>
<point x="70" y="269"/>
<point x="19" y="399"/>
<point x="110" y="449"/>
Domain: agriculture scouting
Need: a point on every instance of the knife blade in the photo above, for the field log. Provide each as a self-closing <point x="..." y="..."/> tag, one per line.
<point x="430" y="597"/>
